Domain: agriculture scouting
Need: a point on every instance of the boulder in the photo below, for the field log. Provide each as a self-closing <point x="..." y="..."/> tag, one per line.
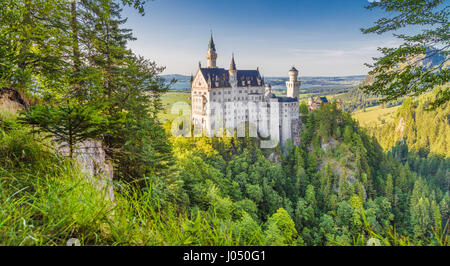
<point x="11" y="100"/>
<point x="93" y="160"/>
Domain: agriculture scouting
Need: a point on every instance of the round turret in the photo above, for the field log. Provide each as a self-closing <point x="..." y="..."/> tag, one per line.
<point x="293" y="85"/>
<point x="293" y="74"/>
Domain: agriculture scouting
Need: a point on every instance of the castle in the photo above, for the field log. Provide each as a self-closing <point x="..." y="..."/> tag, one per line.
<point x="225" y="100"/>
<point x="314" y="104"/>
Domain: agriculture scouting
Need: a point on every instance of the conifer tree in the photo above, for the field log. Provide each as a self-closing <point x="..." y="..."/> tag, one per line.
<point x="131" y="89"/>
<point x="68" y="124"/>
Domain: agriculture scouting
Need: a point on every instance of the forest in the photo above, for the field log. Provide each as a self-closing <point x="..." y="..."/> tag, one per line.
<point x="78" y="81"/>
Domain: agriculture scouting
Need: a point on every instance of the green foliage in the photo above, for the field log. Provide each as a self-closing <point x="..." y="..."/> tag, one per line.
<point x="303" y="108"/>
<point x="356" y="99"/>
<point x="131" y="90"/>
<point x="404" y="70"/>
<point x="44" y="199"/>
<point x="62" y="50"/>
<point x="423" y="131"/>
<point x="214" y="199"/>
<point x="336" y="187"/>
<point x="33" y="43"/>
<point x="67" y="124"/>
<point x="280" y="229"/>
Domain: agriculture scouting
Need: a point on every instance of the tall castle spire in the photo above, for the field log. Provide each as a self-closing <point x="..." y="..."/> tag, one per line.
<point x="211" y="45"/>
<point x="233" y="73"/>
<point x="233" y="64"/>
<point x="211" y="56"/>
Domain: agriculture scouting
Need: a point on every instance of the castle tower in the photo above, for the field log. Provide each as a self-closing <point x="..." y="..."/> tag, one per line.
<point x="267" y="90"/>
<point x="233" y="73"/>
<point x="293" y="85"/>
<point x="211" y="56"/>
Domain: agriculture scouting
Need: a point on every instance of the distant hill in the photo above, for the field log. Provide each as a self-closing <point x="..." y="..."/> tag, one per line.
<point x="278" y="83"/>
<point x="431" y="59"/>
<point x="356" y="99"/>
<point x="176" y="76"/>
<point x="422" y="130"/>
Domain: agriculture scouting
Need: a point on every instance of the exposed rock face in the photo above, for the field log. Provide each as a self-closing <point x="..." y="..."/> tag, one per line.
<point x="401" y="127"/>
<point x="274" y="158"/>
<point x="330" y="143"/>
<point x="92" y="158"/>
<point x="343" y="173"/>
<point x="12" y="100"/>
<point x="89" y="154"/>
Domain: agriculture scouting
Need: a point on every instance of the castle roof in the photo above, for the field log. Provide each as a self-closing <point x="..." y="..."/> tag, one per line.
<point x="248" y="75"/>
<point x="286" y="99"/>
<point x="222" y="76"/>
<point x="216" y="74"/>
<point x="211" y="45"/>
<point x="233" y="64"/>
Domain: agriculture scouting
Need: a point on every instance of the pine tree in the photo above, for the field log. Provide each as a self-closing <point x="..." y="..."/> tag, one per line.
<point x="68" y="124"/>
<point x="32" y="44"/>
<point x="129" y="88"/>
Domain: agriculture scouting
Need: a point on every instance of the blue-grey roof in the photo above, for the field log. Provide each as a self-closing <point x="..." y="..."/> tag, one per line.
<point x="286" y="99"/>
<point x="248" y="75"/>
<point x="233" y="64"/>
<point x="211" y="45"/>
<point x="223" y="76"/>
<point x="324" y="99"/>
<point x="217" y="74"/>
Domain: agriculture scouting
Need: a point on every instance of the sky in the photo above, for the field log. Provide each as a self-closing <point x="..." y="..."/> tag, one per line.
<point x="319" y="37"/>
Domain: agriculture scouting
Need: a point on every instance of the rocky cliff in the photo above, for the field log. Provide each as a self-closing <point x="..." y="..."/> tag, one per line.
<point x="11" y="100"/>
<point x="92" y="158"/>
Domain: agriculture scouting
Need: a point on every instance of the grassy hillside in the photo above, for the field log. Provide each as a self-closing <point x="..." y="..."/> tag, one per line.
<point x="220" y="192"/>
<point x="375" y="116"/>
<point x="46" y="200"/>
<point x="421" y="129"/>
<point x="169" y="99"/>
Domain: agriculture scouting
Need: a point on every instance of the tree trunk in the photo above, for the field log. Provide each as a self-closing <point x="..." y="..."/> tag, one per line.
<point x="75" y="46"/>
